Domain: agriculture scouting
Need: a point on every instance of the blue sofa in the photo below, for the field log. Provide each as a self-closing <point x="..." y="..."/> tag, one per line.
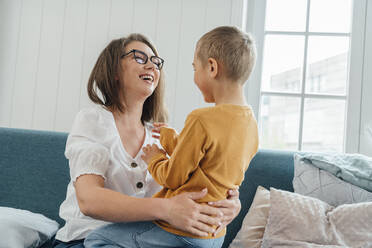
<point x="34" y="174"/>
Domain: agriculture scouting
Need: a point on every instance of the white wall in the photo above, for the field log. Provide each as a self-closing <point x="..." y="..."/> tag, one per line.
<point x="48" y="48"/>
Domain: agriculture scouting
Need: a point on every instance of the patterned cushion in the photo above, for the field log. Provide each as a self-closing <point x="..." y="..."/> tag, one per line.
<point x="300" y="221"/>
<point x="311" y="181"/>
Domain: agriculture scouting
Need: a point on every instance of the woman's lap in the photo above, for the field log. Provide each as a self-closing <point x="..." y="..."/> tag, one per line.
<point x="143" y="235"/>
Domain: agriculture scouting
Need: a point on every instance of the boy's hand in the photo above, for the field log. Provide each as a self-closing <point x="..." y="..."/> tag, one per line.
<point x="150" y="151"/>
<point x="156" y="129"/>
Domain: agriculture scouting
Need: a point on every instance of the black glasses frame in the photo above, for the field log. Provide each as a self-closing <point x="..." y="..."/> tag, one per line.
<point x="140" y="60"/>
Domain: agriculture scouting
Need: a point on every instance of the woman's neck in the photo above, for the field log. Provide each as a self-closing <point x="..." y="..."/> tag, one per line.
<point x="131" y="117"/>
<point x="130" y="128"/>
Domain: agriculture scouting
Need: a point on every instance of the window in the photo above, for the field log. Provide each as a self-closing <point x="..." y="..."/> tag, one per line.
<point x="304" y="74"/>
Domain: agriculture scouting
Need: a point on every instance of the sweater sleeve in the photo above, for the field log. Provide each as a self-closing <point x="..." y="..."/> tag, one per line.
<point x="190" y="149"/>
<point x="168" y="139"/>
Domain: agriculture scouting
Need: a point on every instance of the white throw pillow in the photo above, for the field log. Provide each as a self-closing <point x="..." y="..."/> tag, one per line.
<point x="254" y="223"/>
<point x="22" y="228"/>
<point x="311" y="181"/>
<point x="300" y="221"/>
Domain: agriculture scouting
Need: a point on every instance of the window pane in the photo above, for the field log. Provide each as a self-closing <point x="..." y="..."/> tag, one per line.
<point x="330" y="16"/>
<point x="282" y="63"/>
<point x="327" y="64"/>
<point x="286" y="15"/>
<point x="323" y="125"/>
<point x="279" y="122"/>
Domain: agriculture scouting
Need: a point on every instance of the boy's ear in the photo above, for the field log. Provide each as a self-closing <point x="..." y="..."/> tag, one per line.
<point x="213" y="67"/>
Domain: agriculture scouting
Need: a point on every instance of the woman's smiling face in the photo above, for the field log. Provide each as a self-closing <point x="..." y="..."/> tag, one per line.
<point x="135" y="77"/>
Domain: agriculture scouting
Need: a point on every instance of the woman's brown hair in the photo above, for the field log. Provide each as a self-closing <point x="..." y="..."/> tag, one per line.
<point x="103" y="75"/>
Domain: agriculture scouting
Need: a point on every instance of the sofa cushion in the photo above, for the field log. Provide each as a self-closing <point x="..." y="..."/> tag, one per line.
<point x="254" y="223"/>
<point x="22" y="228"/>
<point x="311" y="181"/>
<point x="301" y="221"/>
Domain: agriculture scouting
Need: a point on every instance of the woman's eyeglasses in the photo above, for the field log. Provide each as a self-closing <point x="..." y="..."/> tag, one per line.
<point x="142" y="58"/>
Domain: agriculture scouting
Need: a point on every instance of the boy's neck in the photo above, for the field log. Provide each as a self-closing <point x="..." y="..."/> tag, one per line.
<point x="229" y="93"/>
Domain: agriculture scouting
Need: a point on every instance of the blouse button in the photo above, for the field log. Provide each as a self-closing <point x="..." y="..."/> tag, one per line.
<point x="139" y="185"/>
<point x="133" y="165"/>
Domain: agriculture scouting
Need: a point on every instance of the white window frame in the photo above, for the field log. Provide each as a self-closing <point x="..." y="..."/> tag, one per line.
<point x="255" y="23"/>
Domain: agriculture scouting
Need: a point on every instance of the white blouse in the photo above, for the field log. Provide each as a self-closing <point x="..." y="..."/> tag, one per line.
<point x="94" y="147"/>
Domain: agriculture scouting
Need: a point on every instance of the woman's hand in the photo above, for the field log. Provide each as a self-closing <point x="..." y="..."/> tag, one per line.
<point x="187" y="215"/>
<point x="230" y="208"/>
<point x="156" y="129"/>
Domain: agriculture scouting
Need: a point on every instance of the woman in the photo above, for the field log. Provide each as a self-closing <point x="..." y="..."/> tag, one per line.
<point x="109" y="180"/>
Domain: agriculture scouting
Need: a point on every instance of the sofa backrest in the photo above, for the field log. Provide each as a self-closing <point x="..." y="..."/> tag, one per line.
<point x="34" y="172"/>
<point x="269" y="168"/>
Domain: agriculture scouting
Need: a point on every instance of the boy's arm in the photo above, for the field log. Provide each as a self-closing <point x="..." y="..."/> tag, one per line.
<point x="168" y="139"/>
<point x="190" y="149"/>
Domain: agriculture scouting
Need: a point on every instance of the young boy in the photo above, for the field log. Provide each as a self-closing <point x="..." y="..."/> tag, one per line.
<point x="216" y="145"/>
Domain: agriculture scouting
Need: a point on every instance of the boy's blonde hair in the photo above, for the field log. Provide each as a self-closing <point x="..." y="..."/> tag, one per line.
<point x="230" y="47"/>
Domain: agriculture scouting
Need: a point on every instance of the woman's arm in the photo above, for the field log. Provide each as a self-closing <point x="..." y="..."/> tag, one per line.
<point x="180" y="211"/>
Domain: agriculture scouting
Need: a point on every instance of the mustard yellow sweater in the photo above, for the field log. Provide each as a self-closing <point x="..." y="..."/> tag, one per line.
<point x="213" y="151"/>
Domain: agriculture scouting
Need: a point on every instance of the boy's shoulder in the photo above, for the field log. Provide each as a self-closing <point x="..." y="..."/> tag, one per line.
<point x="201" y="112"/>
<point x="228" y="108"/>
